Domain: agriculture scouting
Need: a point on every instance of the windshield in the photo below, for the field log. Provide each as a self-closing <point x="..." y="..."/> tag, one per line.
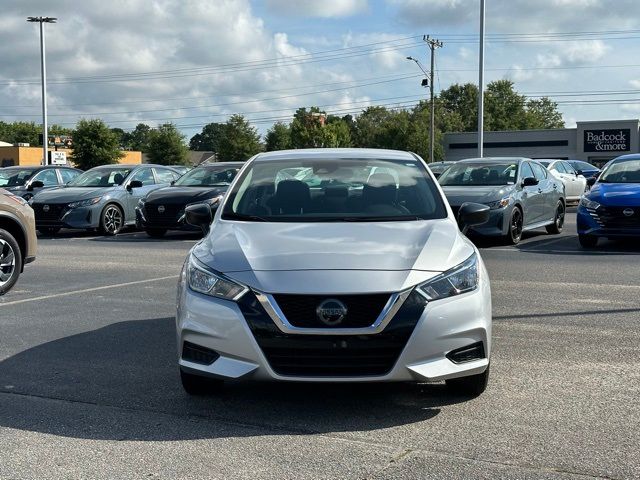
<point x="334" y="191"/>
<point x="579" y="165"/>
<point x="474" y="174"/>
<point x="101" y="177"/>
<point x="14" y="177"/>
<point x="439" y="167"/>
<point x="621" y="172"/>
<point x="545" y="164"/>
<point x="208" y="176"/>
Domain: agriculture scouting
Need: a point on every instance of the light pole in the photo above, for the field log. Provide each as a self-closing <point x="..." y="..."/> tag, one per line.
<point x="481" y="84"/>
<point x="43" y="71"/>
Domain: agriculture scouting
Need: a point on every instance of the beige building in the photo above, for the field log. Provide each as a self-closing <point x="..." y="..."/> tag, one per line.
<point x="12" y="155"/>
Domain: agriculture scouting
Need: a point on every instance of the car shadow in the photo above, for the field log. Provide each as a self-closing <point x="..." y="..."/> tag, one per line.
<point x="129" y="371"/>
<point x="569" y="245"/>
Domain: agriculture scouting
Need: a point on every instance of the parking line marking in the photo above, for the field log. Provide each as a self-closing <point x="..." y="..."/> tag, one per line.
<point x="87" y="290"/>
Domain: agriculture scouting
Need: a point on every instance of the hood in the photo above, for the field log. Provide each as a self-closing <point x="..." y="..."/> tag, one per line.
<point x="307" y="257"/>
<point x="17" y="188"/>
<point x="616" y="194"/>
<point x="458" y="195"/>
<point x="71" y="194"/>
<point x="183" y="195"/>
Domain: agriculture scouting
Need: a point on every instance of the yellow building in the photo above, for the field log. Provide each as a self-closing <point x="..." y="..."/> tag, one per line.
<point x="29" y="156"/>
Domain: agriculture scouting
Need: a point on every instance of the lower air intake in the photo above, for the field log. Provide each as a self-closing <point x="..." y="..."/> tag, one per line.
<point x="198" y="354"/>
<point x="472" y="352"/>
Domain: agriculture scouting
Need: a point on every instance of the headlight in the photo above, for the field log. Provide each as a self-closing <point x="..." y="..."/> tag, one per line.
<point x="85" y="203"/>
<point x="504" y="202"/>
<point x="460" y="279"/>
<point x="141" y="204"/>
<point x="215" y="201"/>
<point x="17" y="199"/>
<point x="203" y="280"/>
<point x="586" y="203"/>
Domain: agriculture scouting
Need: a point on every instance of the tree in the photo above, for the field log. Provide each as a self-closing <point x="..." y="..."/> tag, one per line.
<point x="504" y="107"/>
<point x="138" y="139"/>
<point x="94" y="144"/>
<point x="208" y="139"/>
<point x="378" y="127"/>
<point x="239" y="140"/>
<point x="463" y="101"/>
<point x="166" y="146"/>
<point x="278" y="137"/>
<point x="337" y="133"/>
<point x="308" y="129"/>
<point x="543" y="113"/>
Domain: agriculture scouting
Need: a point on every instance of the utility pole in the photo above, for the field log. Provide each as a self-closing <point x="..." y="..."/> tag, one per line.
<point x="481" y="84"/>
<point x="43" y="71"/>
<point x="433" y="44"/>
<point x="429" y="81"/>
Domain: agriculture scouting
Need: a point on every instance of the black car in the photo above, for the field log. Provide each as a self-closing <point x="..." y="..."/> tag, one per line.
<point x="438" y="168"/>
<point x="163" y="209"/>
<point x="25" y="181"/>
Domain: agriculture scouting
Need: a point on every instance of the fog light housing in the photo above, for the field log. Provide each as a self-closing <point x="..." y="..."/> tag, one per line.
<point x="198" y="354"/>
<point x="472" y="352"/>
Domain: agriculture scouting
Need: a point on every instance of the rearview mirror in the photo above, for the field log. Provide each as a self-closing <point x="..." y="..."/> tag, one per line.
<point x="134" y="184"/>
<point x="199" y="215"/>
<point x="35" y="184"/>
<point x="471" y="215"/>
<point x="530" y="182"/>
<point x="591" y="181"/>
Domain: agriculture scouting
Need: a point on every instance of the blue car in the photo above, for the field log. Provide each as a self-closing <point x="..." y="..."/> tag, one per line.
<point x="611" y="208"/>
<point x="585" y="169"/>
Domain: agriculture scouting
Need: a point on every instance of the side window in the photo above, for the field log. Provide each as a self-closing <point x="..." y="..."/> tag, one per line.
<point x="568" y="168"/>
<point x="526" y="171"/>
<point x="539" y="172"/>
<point x="164" y="175"/>
<point x="145" y="176"/>
<point x="559" y="166"/>
<point x="48" y="177"/>
<point x="68" y="175"/>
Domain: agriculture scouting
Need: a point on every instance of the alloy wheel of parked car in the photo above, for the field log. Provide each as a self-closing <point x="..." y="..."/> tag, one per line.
<point x="112" y="220"/>
<point x="558" y="221"/>
<point x="515" y="227"/>
<point x="10" y="261"/>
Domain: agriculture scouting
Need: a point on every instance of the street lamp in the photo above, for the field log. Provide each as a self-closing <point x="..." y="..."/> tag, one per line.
<point x="43" y="70"/>
<point x="425" y="83"/>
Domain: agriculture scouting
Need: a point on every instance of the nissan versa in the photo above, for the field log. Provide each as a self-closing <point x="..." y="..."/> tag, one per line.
<point x="365" y="276"/>
<point x="611" y="208"/>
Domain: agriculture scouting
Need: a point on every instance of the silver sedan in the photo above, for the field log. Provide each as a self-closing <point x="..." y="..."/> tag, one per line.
<point x="103" y="197"/>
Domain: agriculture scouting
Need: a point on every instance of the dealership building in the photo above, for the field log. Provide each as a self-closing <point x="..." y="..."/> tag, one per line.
<point x="595" y="142"/>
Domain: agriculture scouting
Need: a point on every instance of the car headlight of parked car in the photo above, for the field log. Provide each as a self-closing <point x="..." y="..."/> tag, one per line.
<point x="202" y="280"/>
<point x="586" y="203"/>
<point x="503" y="202"/>
<point x="140" y="204"/>
<point x="460" y="279"/>
<point x="85" y="203"/>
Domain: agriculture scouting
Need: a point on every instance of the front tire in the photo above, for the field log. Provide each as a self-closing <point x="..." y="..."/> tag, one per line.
<point x="111" y="220"/>
<point x="10" y="261"/>
<point x="516" y="223"/>
<point x="471" y="386"/>
<point x="199" y="385"/>
<point x="588" y="241"/>
<point x="156" y="232"/>
<point x="558" y="220"/>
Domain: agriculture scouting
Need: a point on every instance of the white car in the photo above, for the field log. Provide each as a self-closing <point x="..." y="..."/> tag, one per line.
<point x="344" y="278"/>
<point x="574" y="183"/>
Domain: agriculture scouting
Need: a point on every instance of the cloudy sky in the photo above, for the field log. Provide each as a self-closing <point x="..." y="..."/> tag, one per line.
<point x="192" y="62"/>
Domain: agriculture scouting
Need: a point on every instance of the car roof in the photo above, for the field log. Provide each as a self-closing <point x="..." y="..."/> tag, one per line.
<point x="222" y="164"/>
<point x="625" y="158"/>
<point x="491" y="160"/>
<point x="336" y="153"/>
<point x="132" y="165"/>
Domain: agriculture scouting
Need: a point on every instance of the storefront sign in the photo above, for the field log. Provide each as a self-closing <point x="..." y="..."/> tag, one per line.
<point x="618" y="140"/>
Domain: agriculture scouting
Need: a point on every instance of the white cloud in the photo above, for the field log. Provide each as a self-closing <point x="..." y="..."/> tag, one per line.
<point x="318" y="8"/>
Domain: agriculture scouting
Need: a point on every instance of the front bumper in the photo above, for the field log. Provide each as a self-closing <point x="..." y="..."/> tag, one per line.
<point x="60" y="216"/>
<point x="592" y="222"/>
<point x="172" y="219"/>
<point x="496" y="226"/>
<point x="415" y="343"/>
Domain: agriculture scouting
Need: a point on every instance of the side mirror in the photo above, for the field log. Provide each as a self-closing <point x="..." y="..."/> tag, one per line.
<point x="591" y="181"/>
<point x="579" y="172"/>
<point x="173" y="182"/>
<point x="35" y="184"/>
<point x="134" y="184"/>
<point x="199" y="215"/>
<point x="471" y="215"/>
<point x="530" y="182"/>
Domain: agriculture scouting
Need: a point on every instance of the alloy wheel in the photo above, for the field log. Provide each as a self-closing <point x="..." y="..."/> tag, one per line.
<point x="112" y="220"/>
<point x="516" y="226"/>
<point x="560" y="217"/>
<point x="7" y="262"/>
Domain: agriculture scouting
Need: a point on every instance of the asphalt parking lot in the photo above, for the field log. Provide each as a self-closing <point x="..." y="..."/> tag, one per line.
<point x="89" y="386"/>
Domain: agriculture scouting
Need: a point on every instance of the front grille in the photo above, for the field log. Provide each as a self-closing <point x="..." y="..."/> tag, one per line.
<point x="170" y="215"/>
<point x="614" y="218"/>
<point x="362" y="310"/>
<point x="332" y="355"/>
<point x="56" y="211"/>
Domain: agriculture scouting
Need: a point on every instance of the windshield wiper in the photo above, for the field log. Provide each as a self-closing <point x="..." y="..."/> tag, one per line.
<point x="242" y="216"/>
